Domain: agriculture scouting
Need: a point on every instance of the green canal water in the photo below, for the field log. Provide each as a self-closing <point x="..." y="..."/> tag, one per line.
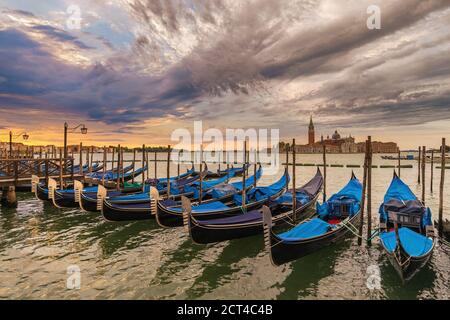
<point x="139" y="260"/>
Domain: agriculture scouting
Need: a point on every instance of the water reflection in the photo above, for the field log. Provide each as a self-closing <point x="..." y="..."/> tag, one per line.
<point x="139" y="260"/>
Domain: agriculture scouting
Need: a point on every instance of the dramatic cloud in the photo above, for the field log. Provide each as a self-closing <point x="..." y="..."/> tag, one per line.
<point x="271" y="62"/>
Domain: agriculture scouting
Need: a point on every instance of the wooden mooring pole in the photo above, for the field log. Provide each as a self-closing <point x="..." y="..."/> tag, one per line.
<point x="287" y="167"/>
<point x="324" y="173"/>
<point x="200" y="194"/>
<point x="119" y="155"/>
<point x="244" y="193"/>
<point x="112" y="158"/>
<point x="147" y="160"/>
<point x="363" y="199"/>
<point x="81" y="158"/>
<point x="156" y="165"/>
<point x="432" y="171"/>
<point x="369" y="192"/>
<point x="168" y="170"/>
<point x="294" y="194"/>
<point x="399" y="164"/>
<point x="423" y="173"/>
<point x="134" y="164"/>
<point x="122" y="170"/>
<point x="143" y="166"/>
<point x="61" y="184"/>
<point x="178" y="165"/>
<point x="419" y="164"/>
<point x="87" y="157"/>
<point x="227" y="160"/>
<point x="441" y="189"/>
<point x="105" y="163"/>
<point x="255" y="164"/>
<point x="91" y="160"/>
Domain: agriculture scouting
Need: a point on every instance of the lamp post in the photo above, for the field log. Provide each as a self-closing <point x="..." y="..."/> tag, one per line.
<point x="67" y="129"/>
<point x="24" y="135"/>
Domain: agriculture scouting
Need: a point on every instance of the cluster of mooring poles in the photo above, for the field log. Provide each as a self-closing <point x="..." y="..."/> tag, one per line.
<point x="18" y="170"/>
<point x="366" y="201"/>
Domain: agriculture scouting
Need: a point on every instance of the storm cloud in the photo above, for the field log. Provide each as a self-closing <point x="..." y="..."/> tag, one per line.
<point x="268" y="61"/>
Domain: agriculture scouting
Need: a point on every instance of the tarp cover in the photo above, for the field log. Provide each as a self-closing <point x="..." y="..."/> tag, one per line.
<point x="305" y="193"/>
<point x="224" y="189"/>
<point x="109" y="175"/>
<point x="286" y="198"/>
<point x="249" y="217"/>
<point x="206" y="185"/>
<point x="350" y="194"/>
<point x="261" y="193"/>
<point x="184" y="175"/>
<point x="400" y="198"/>
<point x="415" y="244"/>
<point x="306" y="230"/>
<point x="135" y="196"/>
<point x="87" y="189"/>
<point x="205" y="207"/>
<point x="249" y="181"/>
<point x="313" y="186"/>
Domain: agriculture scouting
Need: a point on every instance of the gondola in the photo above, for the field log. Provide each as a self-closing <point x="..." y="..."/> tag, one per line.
<point x="220" y="173"/>
<point x="169" y="214"/>
<point x="28" y="187"/>
<point x="65" y="198"/>
<point x="406" y="230"/>
<point x="334" y="219"/>
<point x="113" y="210"/>
<point x="92" y="201"/>
<point x="112" y="175"/>
<point x="251" y="222"/>
<point x="159" y="181"/>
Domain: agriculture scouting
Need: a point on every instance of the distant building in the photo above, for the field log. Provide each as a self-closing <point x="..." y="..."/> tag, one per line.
<point x="311" y="133"/>
<point x="338" y="144"/>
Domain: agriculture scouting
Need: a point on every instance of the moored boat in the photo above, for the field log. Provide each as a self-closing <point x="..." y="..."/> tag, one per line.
<point x="115" y="209"/>
<point x="334" y="219"/>
<point x="169" y="213"/>
<point x="406" y="230"/>
<point x="251" y="222"/>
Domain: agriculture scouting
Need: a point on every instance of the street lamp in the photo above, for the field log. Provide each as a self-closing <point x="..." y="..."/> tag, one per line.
<point x="24" y="135"/>
<point x="83" y="130"/>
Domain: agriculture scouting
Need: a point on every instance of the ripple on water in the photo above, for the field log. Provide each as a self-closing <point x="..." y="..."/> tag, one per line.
<point x="139" y="260"/>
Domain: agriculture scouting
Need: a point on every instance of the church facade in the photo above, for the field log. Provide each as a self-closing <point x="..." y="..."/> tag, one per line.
<point x="338" y="144"/>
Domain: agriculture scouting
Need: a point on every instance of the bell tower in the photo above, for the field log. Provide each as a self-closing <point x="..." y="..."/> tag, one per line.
<point x="311" y="132"/>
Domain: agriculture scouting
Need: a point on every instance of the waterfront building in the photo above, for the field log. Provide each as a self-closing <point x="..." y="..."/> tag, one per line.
<point x="338" y="144"/>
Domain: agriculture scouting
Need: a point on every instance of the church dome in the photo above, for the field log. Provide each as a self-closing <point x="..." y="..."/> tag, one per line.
<point x="336" y="136"/>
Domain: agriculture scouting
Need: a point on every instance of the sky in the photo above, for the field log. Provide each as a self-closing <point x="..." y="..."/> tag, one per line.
<point x="133" y="71"/>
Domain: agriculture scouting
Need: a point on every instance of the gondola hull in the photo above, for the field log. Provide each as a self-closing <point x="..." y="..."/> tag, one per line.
<point x="205" y="234"/>
<point x="409" y="266"/>
<point x="115" y="213"/>
<point x="88" y="203"/>
<point x="129" y="210"/>
<point x="41" y="193"/>
<point x="283" y="252"/>
<point x="167" y="218"/>
<point x="65" y="200"/>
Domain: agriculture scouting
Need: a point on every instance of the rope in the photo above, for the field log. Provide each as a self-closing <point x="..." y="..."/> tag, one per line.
<point x="374" y="234"/>
<point x="350" y="227"/>
<point x="351" y="230"/>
